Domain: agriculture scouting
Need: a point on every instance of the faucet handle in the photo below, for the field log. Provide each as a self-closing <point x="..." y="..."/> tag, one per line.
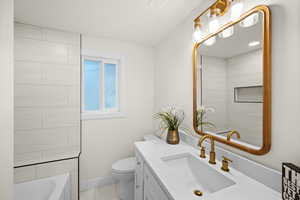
<point x="225" y="164"/>
<point x="226" y="159"/>
<point x="202" y="154"/>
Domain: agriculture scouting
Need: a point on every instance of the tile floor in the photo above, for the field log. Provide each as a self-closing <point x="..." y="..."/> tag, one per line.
<point x="104" y="193"/>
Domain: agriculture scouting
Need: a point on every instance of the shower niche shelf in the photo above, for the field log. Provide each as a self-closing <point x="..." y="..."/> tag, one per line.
<point x="248" y="94"/>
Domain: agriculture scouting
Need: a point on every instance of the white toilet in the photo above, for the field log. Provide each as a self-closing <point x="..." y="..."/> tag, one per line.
<point x="123" y="172"/>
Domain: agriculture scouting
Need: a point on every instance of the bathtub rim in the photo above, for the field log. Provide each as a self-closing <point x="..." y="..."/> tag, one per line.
<point x="61" y="182"/>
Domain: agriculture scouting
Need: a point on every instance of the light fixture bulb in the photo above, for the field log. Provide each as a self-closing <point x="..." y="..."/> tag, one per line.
<point x="250" y="20"/>
<point x="228" y="32"/>
<point x="213" y="25"/>
<point x="210" y="41"/>
<point x="236" y="10"/>
<point x="253" y="43"/>
<point x="197" y="34"/>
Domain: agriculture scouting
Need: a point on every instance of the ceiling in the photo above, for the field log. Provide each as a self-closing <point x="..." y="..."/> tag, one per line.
<point x="141" y="21"/>
<point x="237" y="44"/>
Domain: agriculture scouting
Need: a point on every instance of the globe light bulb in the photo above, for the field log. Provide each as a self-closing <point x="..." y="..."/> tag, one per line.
<point x="213" y="25"/>
<point x="197" y="34"/>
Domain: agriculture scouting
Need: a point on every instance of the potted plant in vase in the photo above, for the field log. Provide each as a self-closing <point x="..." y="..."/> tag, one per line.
<point x="201" y="118"/>
<point x="171" y="119"/>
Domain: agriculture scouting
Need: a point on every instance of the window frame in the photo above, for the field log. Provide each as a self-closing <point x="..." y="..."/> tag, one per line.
<point x="102" y="113"/>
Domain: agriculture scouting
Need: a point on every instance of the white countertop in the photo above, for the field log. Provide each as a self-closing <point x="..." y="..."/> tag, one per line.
<point x="244" y="189"/>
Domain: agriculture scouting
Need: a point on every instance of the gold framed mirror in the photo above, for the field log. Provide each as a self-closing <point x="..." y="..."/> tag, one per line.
<point x="232" y="83"/>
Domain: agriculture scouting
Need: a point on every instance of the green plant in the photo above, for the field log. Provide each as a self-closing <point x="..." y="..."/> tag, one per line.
<point x="170" y="118"/>
<point x="200" y="117"/>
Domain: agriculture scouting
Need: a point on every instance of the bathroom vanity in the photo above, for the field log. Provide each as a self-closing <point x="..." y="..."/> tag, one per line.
<point x="176" y="172"/>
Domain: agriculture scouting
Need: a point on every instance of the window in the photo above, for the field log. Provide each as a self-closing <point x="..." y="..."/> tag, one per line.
<point x="100" y="91"/>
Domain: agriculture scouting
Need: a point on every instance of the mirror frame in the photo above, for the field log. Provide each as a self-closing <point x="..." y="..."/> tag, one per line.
<point x="266" y="145"/>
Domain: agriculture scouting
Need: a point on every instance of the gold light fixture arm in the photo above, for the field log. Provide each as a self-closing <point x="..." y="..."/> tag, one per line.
<point x="221" y="5"/>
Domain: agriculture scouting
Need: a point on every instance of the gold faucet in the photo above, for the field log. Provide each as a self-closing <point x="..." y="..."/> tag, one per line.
<point x="212" y="154"/>
<point x="229" y="135"/>
<point x="225" y="164"/>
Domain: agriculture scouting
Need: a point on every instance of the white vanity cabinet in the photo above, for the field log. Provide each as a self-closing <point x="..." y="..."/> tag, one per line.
<point x="146" y="185"/>
<point x="139" y="179"/>
<point x="152" y="189"/>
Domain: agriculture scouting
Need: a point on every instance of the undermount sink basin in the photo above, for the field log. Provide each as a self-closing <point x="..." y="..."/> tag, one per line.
<point x="195" y="174"/>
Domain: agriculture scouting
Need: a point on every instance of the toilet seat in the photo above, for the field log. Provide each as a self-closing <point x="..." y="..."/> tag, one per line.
<point x="124" y="166"/>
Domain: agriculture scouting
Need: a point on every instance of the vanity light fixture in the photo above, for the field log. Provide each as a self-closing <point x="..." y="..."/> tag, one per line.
<point x="197" y="30"/>
<point x="236" y="9"/>
<point x="220" y="8"/>
<point x="250" y="21"/>
<point x="228" y="32"/>
<point x="253" y="43"/>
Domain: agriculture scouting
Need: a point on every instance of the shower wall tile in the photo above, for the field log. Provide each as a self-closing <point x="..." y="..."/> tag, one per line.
<point x="28" y="118"/>
<point x="28" y="31"/>
<point x="27" y="157"/>
<point x="47" y="94"/>
<point x="41" y="51"/>
<point x="72" y="55"/>
<point x="61" y="117"/>
<point x="55" y="74"/>
<point x="24" y="174"/>
<point x="61" y="37"/>
<point x="28" y="72"/>
<point x="245" y="70"/>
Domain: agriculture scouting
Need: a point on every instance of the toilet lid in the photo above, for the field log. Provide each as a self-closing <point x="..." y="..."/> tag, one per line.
<point x="126" y="165"/>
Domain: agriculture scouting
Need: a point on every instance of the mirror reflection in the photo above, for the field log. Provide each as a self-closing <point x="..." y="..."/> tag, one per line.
<point x="230" y="83"/>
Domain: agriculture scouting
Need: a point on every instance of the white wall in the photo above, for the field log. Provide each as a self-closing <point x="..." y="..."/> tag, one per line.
<point x="6" y="100"/>
<point x="47" y="94"/>
<point x="108" y="140"/>
<point x="173" y="78"/>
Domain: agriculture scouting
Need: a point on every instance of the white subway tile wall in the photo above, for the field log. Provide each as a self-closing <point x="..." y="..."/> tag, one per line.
<point x="47" y="94"/>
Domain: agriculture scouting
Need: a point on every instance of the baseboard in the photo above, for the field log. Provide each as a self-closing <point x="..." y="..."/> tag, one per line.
<point x="96" y="182"/>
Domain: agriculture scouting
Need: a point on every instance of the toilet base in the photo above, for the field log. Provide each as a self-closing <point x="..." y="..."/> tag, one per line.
<point x="125" y="190"/>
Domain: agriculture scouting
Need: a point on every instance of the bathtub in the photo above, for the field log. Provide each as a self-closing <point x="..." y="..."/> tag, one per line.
<point x="52" y="188"/>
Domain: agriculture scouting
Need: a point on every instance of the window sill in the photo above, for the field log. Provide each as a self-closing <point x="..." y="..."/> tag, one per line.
<point x="92" y="116"/>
